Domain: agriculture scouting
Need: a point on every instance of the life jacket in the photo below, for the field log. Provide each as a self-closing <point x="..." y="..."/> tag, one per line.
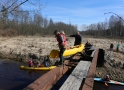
<point x="30" y="63"/>
<point x="59" y="39"/>
<point x="38" y="64"/>
<point x="46" y="64"/>
<point x="118" y="45"/>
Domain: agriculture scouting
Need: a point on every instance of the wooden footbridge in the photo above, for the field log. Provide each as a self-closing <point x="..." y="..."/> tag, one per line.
<point x="81" y="76"/>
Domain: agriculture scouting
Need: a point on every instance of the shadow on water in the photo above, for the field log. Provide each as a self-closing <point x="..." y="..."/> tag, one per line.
<point x="101" y="86"/>
<point x="12" y="78"/>
<point x="60" y="82"/>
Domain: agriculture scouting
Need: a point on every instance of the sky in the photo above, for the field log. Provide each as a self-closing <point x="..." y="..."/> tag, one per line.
<point x="81" y="12"/>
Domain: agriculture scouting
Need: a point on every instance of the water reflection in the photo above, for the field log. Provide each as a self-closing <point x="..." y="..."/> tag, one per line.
<point x="12" y="78"/>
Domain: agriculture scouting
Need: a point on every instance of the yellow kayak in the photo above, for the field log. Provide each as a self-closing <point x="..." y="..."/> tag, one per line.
<point x="68" y="52"/>
<point x="37" y="68"/>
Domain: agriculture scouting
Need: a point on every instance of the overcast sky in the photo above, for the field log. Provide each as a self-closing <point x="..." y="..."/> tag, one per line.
<point x="79" y="12"/>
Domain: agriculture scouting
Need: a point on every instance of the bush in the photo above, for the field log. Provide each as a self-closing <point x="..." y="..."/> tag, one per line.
<point x="8" y="32"/>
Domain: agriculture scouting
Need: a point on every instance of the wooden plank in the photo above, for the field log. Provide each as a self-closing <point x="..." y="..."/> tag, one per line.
<point x="75" y="79"/>
<point x="88" y="84"/>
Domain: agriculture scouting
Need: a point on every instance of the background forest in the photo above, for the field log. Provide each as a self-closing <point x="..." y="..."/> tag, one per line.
<point x="14" y="21"/>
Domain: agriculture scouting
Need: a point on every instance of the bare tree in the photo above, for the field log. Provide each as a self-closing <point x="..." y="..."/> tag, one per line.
<point x="45" y="22"/>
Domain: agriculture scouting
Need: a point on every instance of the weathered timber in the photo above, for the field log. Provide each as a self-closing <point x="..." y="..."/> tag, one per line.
<point x="88" y="84"/>
<point x="75" y="79"/>
<point x="46" y="81"/>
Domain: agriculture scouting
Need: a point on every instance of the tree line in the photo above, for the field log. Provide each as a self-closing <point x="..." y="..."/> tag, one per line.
<point x="16" y="21"/>
<point x="24" y="24"/>
<point x="114" y="27"/>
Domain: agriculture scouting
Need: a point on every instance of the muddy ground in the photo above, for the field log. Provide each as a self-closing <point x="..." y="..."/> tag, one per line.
<point x="22" y="48"/>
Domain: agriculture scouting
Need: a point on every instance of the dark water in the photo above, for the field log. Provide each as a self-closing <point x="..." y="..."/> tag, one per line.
<point x="96" y="86"/>
<point x="101" y="86"/>
<point x="12" y="78"/>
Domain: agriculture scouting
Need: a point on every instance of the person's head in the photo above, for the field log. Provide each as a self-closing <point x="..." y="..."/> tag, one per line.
<point x="62" y="32"/>
<point x="56" y="32"/>
<point x="77" y="33"/>
<point x="30" y="60"/>
<point x="87" y="42"/>
<point x="107" y="76"/>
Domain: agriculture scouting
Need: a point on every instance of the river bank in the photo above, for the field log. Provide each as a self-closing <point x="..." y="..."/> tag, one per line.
<point x="23" y="48"/>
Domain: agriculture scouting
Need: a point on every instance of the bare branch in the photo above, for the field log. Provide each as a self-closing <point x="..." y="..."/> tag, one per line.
<point x="18" y="5"/>
<point x="12" y="4"/>
<point x="115" y="14"/>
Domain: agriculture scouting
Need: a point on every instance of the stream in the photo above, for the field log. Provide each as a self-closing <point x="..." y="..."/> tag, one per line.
<point x="12" y="78"/>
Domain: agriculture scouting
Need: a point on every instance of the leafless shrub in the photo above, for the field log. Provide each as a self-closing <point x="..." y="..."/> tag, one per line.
<point x="8" y="32"/>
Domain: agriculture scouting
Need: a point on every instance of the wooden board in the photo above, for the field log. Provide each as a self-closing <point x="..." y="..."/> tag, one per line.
<point x="75" y="79"/>
<point x="89" y="80"/>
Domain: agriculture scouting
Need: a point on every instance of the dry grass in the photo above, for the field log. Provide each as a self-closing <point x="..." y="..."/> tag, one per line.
<point x="41" y="46"/>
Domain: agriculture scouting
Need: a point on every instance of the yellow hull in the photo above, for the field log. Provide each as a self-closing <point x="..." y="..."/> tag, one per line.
<point x="69" y="52"/>
<point x="37" y="68"/>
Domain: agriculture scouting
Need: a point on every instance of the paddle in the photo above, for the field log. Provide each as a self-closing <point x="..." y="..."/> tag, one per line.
<point x="106" y="86"/>
<point x="99" y="73"/>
